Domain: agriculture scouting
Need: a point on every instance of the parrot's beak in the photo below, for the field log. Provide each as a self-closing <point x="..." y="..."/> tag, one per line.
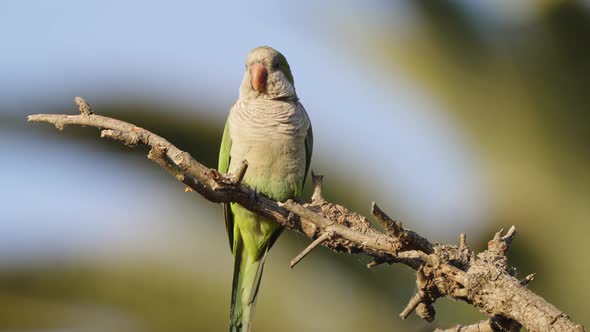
<point x="258" y="76"/>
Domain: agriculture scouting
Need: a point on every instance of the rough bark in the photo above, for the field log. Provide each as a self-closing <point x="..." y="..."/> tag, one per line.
<point x="494" y="324"/>
<point x="483" y="280"/>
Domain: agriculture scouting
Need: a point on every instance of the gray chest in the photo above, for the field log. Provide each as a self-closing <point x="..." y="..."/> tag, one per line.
<point x="271" y="136"/>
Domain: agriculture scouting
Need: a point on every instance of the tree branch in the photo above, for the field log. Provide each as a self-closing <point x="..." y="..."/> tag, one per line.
<point x="483" y="280"/>
<point x="494" y="324"/>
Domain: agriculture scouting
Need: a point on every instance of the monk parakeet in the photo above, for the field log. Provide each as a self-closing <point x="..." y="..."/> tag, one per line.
<point x="268" y="127"/>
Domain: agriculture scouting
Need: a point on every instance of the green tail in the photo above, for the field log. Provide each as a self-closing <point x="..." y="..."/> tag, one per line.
<point x="247" y="276"/>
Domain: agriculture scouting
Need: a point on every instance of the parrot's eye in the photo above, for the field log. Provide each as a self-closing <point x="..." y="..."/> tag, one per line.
<point x="275" y="65"/>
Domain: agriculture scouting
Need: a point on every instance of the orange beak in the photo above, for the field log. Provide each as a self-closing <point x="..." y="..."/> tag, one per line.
<point x="258" y="76"/>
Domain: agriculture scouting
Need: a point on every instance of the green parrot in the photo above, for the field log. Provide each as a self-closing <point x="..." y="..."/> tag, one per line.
<point x="268" y="127"/>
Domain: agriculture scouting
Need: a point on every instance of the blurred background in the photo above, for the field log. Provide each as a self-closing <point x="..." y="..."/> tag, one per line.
<point x="455" y="116"/>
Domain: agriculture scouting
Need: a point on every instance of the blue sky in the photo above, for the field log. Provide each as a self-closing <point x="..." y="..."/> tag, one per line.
<point x="384" y="129"/>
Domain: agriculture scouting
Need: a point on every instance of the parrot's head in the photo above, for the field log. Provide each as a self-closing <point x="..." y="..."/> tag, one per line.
<point x="267" y="75"/>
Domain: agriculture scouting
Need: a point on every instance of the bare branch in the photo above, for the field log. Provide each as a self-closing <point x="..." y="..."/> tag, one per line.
<point x="494" y="324"/>
<point x="510" y="235"/>
<point x="462" y="241"/>
<point x="393" y="228"/>
<point x="309" y="248"/>
<point x="528" y="279"/>
<point x="411" y="306"/>
<point x="241" y="171"/>
<point x="83" y="106"/>
<point x="443" y="270"/>
<point x="374" y="263"/>
<point x="317" y="196"/>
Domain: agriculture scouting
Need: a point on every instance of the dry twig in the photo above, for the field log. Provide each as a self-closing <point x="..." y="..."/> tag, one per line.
<point x="483" y="280"/>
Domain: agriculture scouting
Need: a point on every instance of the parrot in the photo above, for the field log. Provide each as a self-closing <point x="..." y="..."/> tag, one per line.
<point x="269" y="128"/>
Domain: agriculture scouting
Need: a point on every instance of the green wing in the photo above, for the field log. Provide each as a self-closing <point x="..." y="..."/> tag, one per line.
<point x="223" y="166"/>
<point x="308" y="152"/>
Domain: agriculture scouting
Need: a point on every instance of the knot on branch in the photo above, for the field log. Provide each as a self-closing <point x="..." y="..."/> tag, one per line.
<point x="128" y="138"/>
<point x="450" y="254"/>
<point x="157" y="152"/>
<point x="439" y="276"/>
<point x="422" y="302"/>
<point x="131" y="137"/>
